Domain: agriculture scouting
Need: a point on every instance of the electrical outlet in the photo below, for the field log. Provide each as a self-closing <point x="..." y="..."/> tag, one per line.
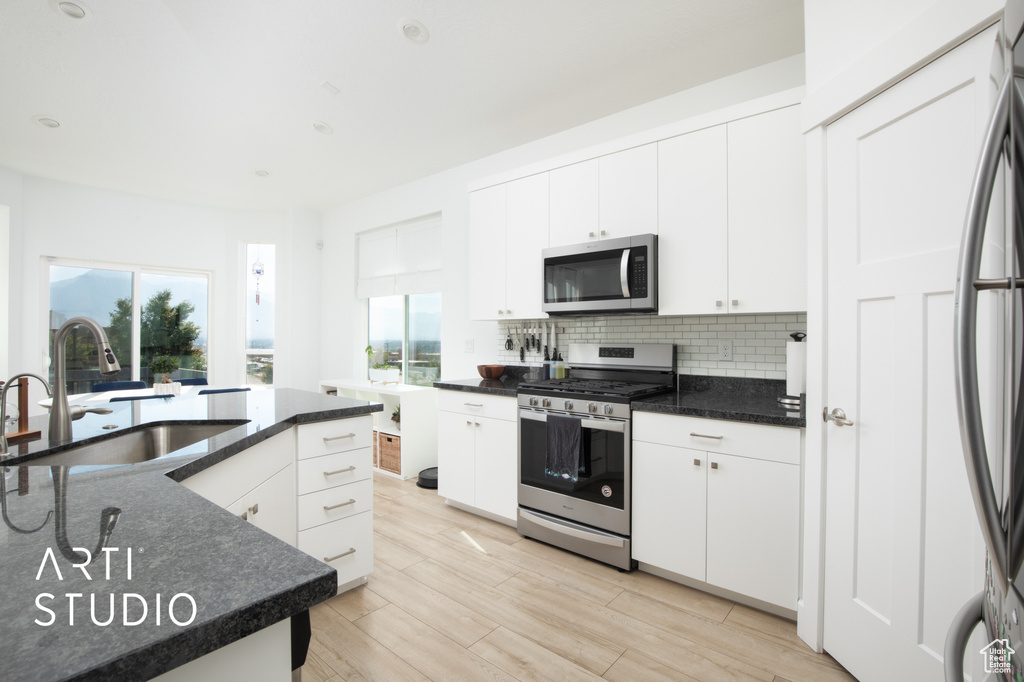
<point x="725" y="350"/>
<point x="469" y="346"/>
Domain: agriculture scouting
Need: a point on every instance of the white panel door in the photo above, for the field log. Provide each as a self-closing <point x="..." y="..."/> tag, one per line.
<point x="693" y="213"/>
<point x="574" y="204"/>
<point x="496" y="467"/>
<point x="456" y="457"/>
<point x="670" y="508"/>
<point x="487" y="253"/>
<point x="628" y="192"/>
<point x="767" y="213"/>
<point x="903" y="550"/>
<point x="754" y="527"/>
<point x="526" y="233"/>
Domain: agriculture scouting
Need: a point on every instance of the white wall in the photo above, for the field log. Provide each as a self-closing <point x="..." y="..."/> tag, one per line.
<point x="343" y="326"/>
<point x="63" y="220"/>
<point x="855" y="50"/>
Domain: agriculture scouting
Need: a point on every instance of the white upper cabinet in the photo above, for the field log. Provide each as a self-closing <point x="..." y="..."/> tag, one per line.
<point x="487" y="253"/>
<point x="628" y="193"/>
<point x="767" y="213"/>
<point x="526" y="234"/>
<point x="574" y="203"/>
<point x="508" y="229"/>
<point x="693" y="214"/>
<point x="732" y="218"/>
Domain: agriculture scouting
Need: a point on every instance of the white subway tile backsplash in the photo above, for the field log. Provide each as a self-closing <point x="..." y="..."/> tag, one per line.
<point x="759" y="341"/>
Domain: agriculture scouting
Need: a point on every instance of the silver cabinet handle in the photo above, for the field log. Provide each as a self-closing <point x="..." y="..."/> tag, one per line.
<point x="624" y="272"/>
<point x="696" y="462"/>
<point x="735" y="302"/>
<point x="999" y="283"/>
<point x="592" y="235"/>
<point x="702" y="435"/>
<point x="836" y="416"/>
<point x="347" y="435"/>
<point x="254" y="509"/>
<point x="473" y="404"/>
<point x="714" y="465"/>
<point x="965" y="322"/>
<point x="351" y="550"/>
<point x="337" y="506"/>
<point x="340" y="471"/>
<point x="718" y="304"/>
<point x="244" y="516"/>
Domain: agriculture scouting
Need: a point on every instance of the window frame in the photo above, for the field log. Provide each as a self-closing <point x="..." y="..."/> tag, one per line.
<point x="137" y="271"/>
<point x="246" y="351"/>
<point x="405" y="330"/>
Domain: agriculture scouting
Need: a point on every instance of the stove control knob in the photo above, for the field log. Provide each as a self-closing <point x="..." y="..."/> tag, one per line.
<point x="533" y="402"/>
<point x="608" y="409"/>
<point x="591" y="407"/>
<point x="568" y="404"/>
<point x="545" y="403"/>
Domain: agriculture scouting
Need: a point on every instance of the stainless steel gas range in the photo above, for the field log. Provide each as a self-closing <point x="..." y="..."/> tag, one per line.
<point x="575" y="448"/>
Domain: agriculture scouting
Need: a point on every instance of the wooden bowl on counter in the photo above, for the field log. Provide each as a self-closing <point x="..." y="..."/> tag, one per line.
<point x="490" y="371"/>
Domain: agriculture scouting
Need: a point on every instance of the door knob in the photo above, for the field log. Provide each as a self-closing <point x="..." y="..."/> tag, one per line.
<point x="837" y="417"/>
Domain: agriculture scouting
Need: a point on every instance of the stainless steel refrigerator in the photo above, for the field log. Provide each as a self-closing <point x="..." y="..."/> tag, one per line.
<point x="988" y="357"/>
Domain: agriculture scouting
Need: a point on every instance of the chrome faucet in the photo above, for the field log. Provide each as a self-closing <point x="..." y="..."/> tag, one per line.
<point x="3" y="405"/>
<point x="60" y="414"/>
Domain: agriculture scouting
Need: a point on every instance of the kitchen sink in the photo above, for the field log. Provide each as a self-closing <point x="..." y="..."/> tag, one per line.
<point x="139" y="445"/>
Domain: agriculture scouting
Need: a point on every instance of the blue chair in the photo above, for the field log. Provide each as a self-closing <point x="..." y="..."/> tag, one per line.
<point x="201" y="381"/>
<point x="207" y="391"/>
<point x="117" y="386"/>
<point x="122" y="398"/>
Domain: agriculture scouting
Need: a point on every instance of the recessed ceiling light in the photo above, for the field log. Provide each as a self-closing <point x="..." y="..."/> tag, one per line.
<point x="414" y="30"/>
<point x="261" y="172"/>
<point x="72" y="9"/>
<point x="322" y="127"/>
<point x="46" y="121"/>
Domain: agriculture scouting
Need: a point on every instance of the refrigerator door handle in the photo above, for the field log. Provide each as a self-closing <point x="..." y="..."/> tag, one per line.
<point x="965" y="326"/>
<point x="958" y="635"/>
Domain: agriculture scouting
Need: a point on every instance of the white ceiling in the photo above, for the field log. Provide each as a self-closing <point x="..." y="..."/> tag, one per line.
<point x="184" y="99"/>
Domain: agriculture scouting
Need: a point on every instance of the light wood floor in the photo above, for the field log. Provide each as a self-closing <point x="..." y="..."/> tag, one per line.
<point x="457" y="597"/>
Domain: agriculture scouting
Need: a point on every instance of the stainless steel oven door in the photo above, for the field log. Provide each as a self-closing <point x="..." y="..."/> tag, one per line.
<point x="601" y="495"/>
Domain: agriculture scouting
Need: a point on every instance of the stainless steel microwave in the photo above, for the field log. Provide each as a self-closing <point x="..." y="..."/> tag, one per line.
<point x="606" y="276"/>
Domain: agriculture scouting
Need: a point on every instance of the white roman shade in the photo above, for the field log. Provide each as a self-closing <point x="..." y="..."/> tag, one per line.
<point x="400" y="259"/>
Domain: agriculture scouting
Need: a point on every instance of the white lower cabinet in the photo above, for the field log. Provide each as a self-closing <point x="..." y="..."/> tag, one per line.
<point x="718" y="502"/>
<point x="335" y="495"/>
<point x="310" y="486"/>
<point x="477" y="451"/>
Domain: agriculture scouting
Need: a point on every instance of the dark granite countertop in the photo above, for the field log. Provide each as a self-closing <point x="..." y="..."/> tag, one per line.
<point x="241" y="578"/>
<point x="735" y="399"/>
<point x="507" y="385"/>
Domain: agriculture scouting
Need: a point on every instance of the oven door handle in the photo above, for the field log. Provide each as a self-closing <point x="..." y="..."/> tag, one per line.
<point x="599" y="538"/>
<point x="615" y="426"/>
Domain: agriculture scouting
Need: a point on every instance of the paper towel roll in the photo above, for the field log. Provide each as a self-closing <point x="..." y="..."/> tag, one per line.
<point x="796" y="368"/>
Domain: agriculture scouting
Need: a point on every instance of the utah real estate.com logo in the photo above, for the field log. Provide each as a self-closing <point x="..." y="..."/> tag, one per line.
<point x="997" y="656"/>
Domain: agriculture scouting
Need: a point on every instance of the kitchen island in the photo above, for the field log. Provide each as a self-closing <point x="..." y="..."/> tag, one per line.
<point x="179" y="577"/>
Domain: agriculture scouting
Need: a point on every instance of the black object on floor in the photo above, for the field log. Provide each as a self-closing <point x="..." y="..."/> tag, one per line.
<point x="428" y="478"/>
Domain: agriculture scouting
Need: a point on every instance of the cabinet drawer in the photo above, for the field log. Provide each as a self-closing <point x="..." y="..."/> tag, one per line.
<point x="478" y="404"/>
<point x="319" y="473"/>
<point x="773" y="443"/>
<point x="324" y="438"/>
<point x="352" y="538"/>
<point x="332" y="504"/>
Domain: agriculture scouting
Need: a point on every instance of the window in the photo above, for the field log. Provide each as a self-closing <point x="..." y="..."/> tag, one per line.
<point x="405" y="332"/>
<point x="260" y="276"/>
<point x="156" y="321"/>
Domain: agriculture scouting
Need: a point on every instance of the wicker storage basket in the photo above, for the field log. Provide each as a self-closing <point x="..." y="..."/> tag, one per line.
<point x="390" y="453"/>
<point x="376" y="437"/>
